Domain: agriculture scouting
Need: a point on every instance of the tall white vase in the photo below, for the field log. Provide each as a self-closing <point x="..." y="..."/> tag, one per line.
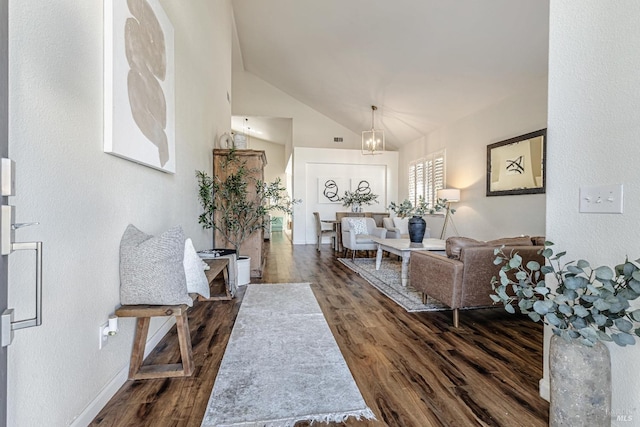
<point x="580" y="384"/>
<point x="244" y="270"/>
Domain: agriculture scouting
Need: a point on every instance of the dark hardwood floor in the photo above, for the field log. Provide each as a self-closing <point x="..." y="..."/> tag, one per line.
<point x="413" y="369"/>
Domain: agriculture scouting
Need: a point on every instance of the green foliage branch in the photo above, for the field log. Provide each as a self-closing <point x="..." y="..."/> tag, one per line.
<point x="352" y="198"/>
<point x="588" y="304"/>
<point x="406" y="208"/>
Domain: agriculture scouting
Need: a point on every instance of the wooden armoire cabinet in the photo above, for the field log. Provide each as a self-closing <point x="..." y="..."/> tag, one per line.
<point x="254" y="161"/>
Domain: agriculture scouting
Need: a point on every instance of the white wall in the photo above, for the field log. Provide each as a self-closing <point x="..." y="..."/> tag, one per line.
<point x="84" y="198"/>
<point x="466" y="141"/>
<point x="594" y="88"/>
<point x="276" y="163"/>
<point x="253" y="96"/>
<point x="311" y="163"/>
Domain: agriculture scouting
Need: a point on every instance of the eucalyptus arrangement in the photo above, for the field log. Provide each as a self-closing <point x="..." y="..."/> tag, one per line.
<point x="355" y="198"/>
<point x="406" y="208"/>
<point x="589" y="304"/>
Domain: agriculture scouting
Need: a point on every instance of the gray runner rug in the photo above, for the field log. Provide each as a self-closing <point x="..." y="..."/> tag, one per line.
<point x="282" y="365"/>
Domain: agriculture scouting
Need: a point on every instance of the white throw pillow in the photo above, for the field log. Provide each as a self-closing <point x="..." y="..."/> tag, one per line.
<point x="358" y="225"/>
<point x="194" y="272"/>
<point x="401" y="224"/>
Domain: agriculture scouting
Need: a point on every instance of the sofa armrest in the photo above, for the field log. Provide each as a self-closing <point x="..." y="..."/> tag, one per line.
<point x="437" y="276"/>
<point x="479" y="270"/>
<point x="379" y="232"/>
<point x="393" y="233"/>
<point x="348" y="239"/>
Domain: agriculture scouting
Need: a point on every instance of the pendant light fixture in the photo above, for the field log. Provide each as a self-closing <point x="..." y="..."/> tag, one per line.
<point x="372" y="140"/>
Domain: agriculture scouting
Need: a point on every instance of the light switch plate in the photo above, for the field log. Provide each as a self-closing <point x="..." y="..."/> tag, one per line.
<point x="601" y="199"/>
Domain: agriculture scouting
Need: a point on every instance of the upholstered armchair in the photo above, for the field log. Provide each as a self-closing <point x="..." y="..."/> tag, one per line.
<point x="357" y="234"/>
<point x="462" y="279"/>
<point x="398" y="228"/>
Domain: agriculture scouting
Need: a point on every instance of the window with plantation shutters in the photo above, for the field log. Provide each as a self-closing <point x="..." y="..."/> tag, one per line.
<point x="437" y="177"/>
<point x="419" y="180"/>
<point x="429" y="168"/>
<point x="412" y="182"/>
<point x="426" y="177"/>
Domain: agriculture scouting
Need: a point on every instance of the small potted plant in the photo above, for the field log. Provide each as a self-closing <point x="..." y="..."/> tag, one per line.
<point x="417" y="224"/>
<point x="356" y="199"/>
<point x="587" y="307"/>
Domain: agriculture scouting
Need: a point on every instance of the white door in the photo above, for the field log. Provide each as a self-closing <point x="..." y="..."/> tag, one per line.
<point x="4" y="152"/>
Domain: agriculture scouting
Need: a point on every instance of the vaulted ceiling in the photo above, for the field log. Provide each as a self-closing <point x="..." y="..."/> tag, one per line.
<point x="423" y="63"/>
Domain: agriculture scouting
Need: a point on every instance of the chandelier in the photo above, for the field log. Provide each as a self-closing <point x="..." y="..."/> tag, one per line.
<point x="372" y="140"/>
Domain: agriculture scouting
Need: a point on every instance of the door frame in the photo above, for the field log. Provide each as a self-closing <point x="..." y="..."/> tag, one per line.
<point x="4" y="152"/>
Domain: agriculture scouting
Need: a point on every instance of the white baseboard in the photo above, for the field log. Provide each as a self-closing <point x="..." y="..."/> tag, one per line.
<point x="112" y="387"/>
<point x="544" y="389"/>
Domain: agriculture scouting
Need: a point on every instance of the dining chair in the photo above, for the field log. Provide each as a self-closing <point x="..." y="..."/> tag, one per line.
<point x="320" y="232"/>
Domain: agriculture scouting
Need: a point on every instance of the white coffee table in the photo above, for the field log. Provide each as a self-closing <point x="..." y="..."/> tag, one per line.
<point x="403" y="248"/>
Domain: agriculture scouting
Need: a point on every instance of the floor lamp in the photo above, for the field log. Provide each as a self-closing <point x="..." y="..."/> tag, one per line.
<point x="450" y="195"/>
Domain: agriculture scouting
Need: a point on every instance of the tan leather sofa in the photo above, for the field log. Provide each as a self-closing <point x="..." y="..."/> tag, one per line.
<point x="463" y="278"/>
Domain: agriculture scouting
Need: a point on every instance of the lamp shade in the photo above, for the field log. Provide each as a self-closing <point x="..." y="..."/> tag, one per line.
<point x="450" y="194"/>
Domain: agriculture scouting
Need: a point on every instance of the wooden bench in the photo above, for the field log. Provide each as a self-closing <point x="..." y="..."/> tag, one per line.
<point x="143" y="315"/>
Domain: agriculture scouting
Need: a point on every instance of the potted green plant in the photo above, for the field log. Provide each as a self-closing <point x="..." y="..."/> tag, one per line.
<point x="240" y="216"/>
<point x="417" y="224"/>
<point x="242" y="208"/>
<point x="587" y="307"/>
<point x="355" y="199"/>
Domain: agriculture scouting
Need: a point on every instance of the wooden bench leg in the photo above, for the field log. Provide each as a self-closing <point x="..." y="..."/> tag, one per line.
<point x="227" y="284"/>
<point x="143" y="314"/>
<point x="139" y="344"/>
<point x="184" y="338"/>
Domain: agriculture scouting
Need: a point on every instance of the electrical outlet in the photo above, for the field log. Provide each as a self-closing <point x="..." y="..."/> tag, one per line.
<point x="103" y="339"/>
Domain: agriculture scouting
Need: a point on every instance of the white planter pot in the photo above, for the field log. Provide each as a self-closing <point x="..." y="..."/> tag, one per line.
<point x="580" y="384"/>
<point x="244" y="270"/>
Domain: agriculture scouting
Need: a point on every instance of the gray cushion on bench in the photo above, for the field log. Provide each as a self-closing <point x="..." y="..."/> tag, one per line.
<point x="152" y="269"/>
